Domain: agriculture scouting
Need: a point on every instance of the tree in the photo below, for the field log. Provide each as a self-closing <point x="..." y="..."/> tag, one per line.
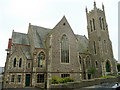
<point x="91" y="70"/>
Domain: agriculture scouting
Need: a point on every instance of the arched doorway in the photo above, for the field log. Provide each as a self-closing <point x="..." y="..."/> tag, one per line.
<point x="108" y="67"/>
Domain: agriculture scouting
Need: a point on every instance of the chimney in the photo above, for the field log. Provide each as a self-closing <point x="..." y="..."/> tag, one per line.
<point x="9" y="44"/>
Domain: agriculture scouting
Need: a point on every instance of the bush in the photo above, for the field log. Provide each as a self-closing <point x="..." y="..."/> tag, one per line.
<point x="68" y="79"/>
<point x="56" y="80"/>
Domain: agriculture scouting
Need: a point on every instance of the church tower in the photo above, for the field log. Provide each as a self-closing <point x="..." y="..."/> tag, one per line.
<point x="100" y="45"/>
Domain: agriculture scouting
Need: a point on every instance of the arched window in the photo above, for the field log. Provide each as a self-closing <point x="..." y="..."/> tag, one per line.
<point x="28" y="65"/>
<point x="14" y="62"/>
<point x="93" y="23"/>
<point x="87" y="61"/>
<point x="94" y="46"/>
<point x="80" y="59"/>
<point x="64" y="49"/>
<point x="100" y="23"/>
<point x="103" y="24"/>
<point x="20" y="62"/>
<point x="105" y="46"/>
<point x="41" y="58"/>
<point x="108" y="68"/>
<point x="96" y="64"/>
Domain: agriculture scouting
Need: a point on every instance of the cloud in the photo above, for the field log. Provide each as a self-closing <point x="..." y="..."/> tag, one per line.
<point x="25" y="8"/>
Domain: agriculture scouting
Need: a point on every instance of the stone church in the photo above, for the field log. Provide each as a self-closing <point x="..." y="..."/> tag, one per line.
<point x="34" y="58"/>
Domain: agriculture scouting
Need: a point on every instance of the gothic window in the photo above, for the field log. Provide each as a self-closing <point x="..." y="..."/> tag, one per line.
<point x="19" y="78"/>
<point x="65" y="75"/>
<point x="40" y="78"/>
<point x="87" y="61"/>
<point x="100" y="23"/>
<point x="108" y="68"/>
<point x="103" y="24"/>
<point x="84" y="70"/>
<point x="94" y="46"/>
<point x="14" y="62"/>
<point x="93" y="23"/>
<point x="41" y="58"/>
<point x="105" y="46"/>
<point x="20" y="62"/>
<point x="12" y="78"/>
<point x="28" y="65"/>
<point x="80" y="59"/>
<point x="96" y="64"/>
<point x="64" y="49"/>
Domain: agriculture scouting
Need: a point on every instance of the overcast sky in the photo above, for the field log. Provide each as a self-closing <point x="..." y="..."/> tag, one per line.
<point x="17" y="14"/>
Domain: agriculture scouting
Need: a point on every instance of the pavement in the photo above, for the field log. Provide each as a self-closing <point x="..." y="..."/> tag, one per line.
<point x="23" y="89"/>
<point x="105" y="86"/>
<point x="0" y="85"/>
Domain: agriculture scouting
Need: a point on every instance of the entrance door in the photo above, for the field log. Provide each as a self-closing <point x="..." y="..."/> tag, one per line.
<point x="89" y="76"/>
<point x="27" y="81"/>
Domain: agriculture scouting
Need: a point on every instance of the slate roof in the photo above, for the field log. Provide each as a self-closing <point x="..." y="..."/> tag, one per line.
<point x="20" y="38"/>
<point x="39" y="35"/>
<point x="83" y="44"/>
<point x="26" y="51"/>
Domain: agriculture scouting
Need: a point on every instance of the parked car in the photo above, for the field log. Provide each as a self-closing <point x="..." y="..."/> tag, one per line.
<point x="117" y="85"/>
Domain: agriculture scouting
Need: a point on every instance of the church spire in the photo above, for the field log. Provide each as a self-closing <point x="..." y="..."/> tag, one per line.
<point x="95" y="5"/>
<point x="103" y="6"/>
<point x="86" y="9"/>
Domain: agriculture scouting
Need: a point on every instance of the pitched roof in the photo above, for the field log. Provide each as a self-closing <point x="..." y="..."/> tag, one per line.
<point x="26" y="51"/>
<point x="20" y="38"/>
<point x="39" y="34"/>
<point x="62" y="22"/>
<point x="82" y="44"/>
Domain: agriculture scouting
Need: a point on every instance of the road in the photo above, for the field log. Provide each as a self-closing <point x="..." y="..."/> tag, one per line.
<point x="104" y="86"/>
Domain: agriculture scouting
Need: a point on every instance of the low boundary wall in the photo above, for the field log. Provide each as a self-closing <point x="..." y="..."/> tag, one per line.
<point x="86" y="83"/>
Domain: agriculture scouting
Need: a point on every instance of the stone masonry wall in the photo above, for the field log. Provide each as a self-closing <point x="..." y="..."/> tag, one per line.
<point x="86" y="83"/>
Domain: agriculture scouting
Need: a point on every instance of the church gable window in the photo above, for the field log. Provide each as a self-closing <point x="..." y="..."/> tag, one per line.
<point x="20" y="62"/>
<point x="103" y="24"/>
<point x="87" y="61"/>
<point x="105" y="46"/>
<point x="80" y="59"/>
<point x="41" y="58"/>
<point x="64" y="49"/>
<point x="14" y="62"/>
<point x="100" y="22"/>
<point x="93" y="23"/>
